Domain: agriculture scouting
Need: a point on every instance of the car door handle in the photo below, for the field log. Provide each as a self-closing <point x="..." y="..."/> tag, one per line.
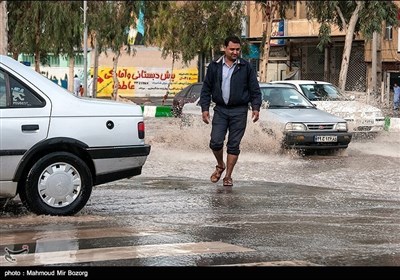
<point x="30" y="127"/>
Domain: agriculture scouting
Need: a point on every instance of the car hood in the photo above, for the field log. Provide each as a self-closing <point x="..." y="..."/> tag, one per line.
<point x="308" y="115"/>
<point x="348" y="106"/>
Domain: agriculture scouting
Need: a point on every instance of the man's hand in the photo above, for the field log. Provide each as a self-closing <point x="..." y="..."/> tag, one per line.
<point x="206" y="117"/>
<point x="255" y="116"/>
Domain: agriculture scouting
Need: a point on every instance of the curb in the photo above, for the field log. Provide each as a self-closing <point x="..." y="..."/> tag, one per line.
<point x="156" y="111"/>
<point x="393" y="124"/>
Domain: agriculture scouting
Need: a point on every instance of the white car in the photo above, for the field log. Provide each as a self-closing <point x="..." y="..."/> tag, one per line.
<point x="54" y="146"/>
<point x="362" y="118"/>
<point x="291" y="117"/>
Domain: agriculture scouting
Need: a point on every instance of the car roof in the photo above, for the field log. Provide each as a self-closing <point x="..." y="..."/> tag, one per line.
<point x="272" y="85"/>
<point x="302" y="82"/>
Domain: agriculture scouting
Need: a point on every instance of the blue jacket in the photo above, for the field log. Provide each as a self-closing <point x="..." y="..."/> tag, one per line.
<point x="245" y="89"/>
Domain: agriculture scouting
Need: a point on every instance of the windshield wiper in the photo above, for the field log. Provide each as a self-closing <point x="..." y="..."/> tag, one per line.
<point x="301" y="106"/>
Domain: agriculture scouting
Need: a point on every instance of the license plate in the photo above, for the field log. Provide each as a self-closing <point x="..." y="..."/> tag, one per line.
<point x="367" y="122"/>
<point x="326" y="138"/>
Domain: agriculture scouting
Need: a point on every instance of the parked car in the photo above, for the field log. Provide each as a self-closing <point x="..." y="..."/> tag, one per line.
<point x="362" y="118"/>
<point x="186" y="95"/>
<point x="292" y="118"/>
<point x="54" y="146"/>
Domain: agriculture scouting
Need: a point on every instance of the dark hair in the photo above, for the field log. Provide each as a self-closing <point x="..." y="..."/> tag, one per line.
<point x="233" y="39"/>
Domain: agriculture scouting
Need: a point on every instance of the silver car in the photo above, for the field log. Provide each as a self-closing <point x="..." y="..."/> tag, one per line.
<point x="54" y="146"/>
<point x="294" y="120"/>
<point x="362" y="118"/>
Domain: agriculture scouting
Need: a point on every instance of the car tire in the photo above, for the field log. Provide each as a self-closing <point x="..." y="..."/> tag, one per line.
<point x="176" y="111"/>
<point x="58" y="184"/>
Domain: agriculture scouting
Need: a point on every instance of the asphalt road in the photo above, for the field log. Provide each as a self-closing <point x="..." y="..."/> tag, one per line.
<point x="284" y="210"/>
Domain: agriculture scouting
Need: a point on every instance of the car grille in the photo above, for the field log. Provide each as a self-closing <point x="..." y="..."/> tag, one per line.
<point x="320" y="126"/>
<point x="363" y="128"/>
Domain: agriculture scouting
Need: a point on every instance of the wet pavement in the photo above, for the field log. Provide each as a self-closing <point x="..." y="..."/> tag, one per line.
<point x="186" y="222"/>
<point x="283" y="210"/>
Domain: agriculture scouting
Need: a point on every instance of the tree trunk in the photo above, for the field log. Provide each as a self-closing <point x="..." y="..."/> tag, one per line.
<point x="170" y="78"/>
<point x="267" y="30"/>
<point x="115" y="78"/>
<point x="347" y="47"/>
<point x="71" y="74"/>
<point x="3" y="28"/>
<point x="37" y="48"/>
<point x="37" y="61"/>
<point x="95" y="67"/>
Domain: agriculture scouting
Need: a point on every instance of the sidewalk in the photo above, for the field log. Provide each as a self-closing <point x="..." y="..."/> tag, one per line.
<point x="154" y="107"/>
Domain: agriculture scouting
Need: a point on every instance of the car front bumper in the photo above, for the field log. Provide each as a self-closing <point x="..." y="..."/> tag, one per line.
<point x="307" y="140"/>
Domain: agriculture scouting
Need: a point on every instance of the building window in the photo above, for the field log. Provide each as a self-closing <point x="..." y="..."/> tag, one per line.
<point x="54" y="60"/>
<point x="389" y="32"/>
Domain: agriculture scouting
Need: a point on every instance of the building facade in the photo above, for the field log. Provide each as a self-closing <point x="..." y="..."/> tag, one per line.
<point x="374" y="65"/>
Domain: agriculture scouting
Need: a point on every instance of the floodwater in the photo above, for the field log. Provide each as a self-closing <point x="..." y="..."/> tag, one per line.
<point x="368" y="166"/>
<point x="284" y="209"/>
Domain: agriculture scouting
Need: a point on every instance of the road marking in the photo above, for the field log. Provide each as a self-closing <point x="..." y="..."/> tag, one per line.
<point x="121" y="253"/>
<point x="275" y="263"/>
<point x="32" y="237"/>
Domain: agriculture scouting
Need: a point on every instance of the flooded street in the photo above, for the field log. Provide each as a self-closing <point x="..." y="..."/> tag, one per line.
<point x="368" y="166"/>
<point x="284" y="209"/>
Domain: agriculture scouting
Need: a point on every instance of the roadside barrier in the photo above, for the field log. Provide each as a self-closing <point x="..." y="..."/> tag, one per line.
<point x="156" y="111"/>
<point x="393" y="125"/>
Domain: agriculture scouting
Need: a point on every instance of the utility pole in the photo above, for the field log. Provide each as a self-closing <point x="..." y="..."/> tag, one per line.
<point x="85" y="47"/>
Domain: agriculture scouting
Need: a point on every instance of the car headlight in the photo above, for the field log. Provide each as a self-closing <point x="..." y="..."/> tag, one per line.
<point x="295" y="126"/>
<point x="342" y="126"/>
<point x="379" y="114"/>
<point x="346" y="115"/>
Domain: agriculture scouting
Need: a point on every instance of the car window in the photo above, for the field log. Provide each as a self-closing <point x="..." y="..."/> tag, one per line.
<point x="321" y="92"/>
<point x="3" y="95"/>
<point x="22" y="96"/>
<point x="284" y="97"/>
<point x="195" y="91"/>
<point x="183" y="92"/>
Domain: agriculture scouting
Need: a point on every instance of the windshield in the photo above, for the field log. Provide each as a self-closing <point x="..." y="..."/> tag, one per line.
<point x="282" y="97"/>
<point x="316" y="92"/>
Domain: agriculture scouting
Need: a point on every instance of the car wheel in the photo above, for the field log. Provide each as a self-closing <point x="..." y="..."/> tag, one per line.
<point x="57" y="184"/>
<point x="177" y="111"/>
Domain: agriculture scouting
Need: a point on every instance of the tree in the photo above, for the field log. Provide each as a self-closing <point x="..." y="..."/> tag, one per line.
<point x="29" y="31"/>
<point x="270" y="10"/>
<point x="352" y="17"/>
<point x="173" y="28"/>
<point x="66" y="30"/>
<point x="109" y="22"/>
<point x="168" y="22"/>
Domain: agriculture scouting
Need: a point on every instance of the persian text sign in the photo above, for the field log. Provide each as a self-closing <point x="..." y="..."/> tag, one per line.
<point x="144" y="81"/>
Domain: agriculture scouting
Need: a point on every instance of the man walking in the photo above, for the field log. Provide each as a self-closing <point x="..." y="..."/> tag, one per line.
<point x="77" y="84"/>
<point x="396" y="97"/>
<point x="232" y="84"/>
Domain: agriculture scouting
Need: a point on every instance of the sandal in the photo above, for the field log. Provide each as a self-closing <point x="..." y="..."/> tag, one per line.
<point x="228" y="182"/>
<point x="217" y="174"/>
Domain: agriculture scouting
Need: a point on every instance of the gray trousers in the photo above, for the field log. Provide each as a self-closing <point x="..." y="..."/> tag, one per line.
<point x="232" y="119"/>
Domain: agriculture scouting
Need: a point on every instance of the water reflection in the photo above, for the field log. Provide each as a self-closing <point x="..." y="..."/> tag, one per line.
<point x="368" y="165"/>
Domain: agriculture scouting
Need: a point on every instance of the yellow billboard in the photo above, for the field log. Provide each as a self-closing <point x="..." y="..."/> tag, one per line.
<point x="144" y="81"/>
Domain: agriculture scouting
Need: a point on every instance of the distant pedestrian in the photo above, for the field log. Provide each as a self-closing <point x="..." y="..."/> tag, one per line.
<point x="90" y="86"/>
<point x="396" y="97"/>
<point x="77" y="83"/>
<point x="81" y="91"/>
